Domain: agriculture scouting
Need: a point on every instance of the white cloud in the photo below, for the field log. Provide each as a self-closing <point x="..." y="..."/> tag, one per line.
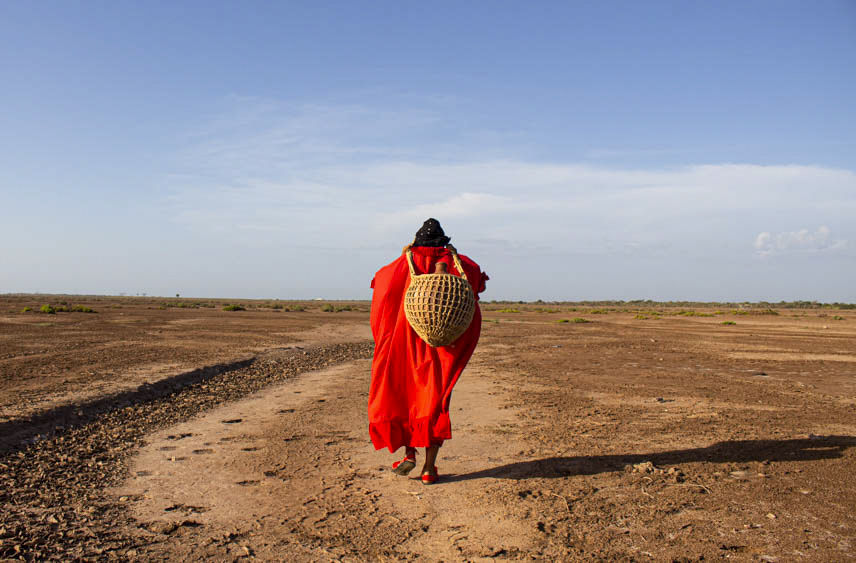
<point x="361" y="180"/>
<point x="801" y="241"/>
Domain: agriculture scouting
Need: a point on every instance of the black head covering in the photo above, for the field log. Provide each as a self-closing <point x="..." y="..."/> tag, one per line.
<point x="431" y="234"/>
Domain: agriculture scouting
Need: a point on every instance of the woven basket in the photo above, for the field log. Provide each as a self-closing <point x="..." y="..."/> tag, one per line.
<point x="439" y="307"/>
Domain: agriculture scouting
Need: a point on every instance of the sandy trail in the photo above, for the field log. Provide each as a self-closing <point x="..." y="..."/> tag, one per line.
<point x="289" y="473"/>
<point x="616" y="439"/>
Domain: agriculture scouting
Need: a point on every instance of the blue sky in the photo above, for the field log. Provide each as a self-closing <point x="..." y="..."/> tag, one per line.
<point x="577" y="150"/>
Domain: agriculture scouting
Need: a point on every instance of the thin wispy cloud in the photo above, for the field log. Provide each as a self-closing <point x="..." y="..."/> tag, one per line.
<point x="309" y="177"/>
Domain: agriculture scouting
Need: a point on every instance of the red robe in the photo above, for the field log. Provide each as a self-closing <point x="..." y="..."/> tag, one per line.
<point x="411" y="381"/>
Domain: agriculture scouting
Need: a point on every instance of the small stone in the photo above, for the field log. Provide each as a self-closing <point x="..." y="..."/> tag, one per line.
<point x="644" y="467"/>
<point x="771" y="516"/>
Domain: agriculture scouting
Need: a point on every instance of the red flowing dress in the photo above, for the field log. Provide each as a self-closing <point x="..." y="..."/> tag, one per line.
<point x="412" y="382"/>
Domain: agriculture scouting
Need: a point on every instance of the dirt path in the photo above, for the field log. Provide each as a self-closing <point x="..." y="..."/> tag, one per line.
<point x="289" y="474"/>
<point x="618" y="438"/>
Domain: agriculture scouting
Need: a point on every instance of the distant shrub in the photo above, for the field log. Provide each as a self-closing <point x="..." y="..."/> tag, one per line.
<point x="580" y="320"/>
<point x="599" y="312"/>
<point x="838" y="318"/>
<point x="26" y="309"/>
<point x="296" y="308"/>
<point x="508" y="311"/>
<point x="48" y="310"/>
<point x="277" y="306"/>
<point x="233" y="308"/>
<point x="563" y="321"/>
<point x="647" y="315"/>
<point x="82" y="309"/>
<point x="694" y="314"/>
<point x="772" y="312"/>
<point x="330" y="308"/>
<point x="181" y="305"/>
<point x="729" y="323"/>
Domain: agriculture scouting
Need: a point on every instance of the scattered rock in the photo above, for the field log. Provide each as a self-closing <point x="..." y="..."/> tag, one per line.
<point x="73" y="466"/>
<point x="159" y="527"/>
<point x="644" y="467"/>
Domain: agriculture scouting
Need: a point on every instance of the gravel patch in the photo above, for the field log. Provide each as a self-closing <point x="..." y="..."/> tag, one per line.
<point x="54" y="472"/>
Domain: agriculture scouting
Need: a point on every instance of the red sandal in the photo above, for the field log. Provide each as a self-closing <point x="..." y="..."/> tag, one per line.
<point x="429" y="478"/>
<point x="404" y="466"/>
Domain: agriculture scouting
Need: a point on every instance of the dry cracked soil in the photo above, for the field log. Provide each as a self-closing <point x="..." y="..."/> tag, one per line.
<point x="152" y="431"/>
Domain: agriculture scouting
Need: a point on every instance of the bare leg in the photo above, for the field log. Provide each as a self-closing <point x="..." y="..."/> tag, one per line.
<point x="430" y="459"/>
<point x="410" y="452"/>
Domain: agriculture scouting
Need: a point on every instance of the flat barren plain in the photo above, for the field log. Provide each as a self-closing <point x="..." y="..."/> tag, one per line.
<point x="157" y="429"/>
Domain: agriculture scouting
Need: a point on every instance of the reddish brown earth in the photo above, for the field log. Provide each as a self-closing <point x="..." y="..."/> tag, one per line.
<point x="664" y="438"/>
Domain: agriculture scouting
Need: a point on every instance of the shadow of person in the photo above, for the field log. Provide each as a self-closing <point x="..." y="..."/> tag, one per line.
<point x="735" y="451"/>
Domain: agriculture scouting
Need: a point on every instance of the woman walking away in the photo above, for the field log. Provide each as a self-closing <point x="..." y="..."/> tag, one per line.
<point x="412" y="381"/>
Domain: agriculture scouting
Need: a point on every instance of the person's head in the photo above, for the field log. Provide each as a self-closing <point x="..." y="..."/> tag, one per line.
<point x="431" y="234"/>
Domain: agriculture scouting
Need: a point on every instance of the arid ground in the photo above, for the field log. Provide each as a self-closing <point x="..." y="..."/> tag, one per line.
<point x="159" y="429"/>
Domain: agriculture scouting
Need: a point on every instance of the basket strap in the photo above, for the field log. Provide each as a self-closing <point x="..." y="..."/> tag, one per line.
<point x="449" y="247"/>
<point x="457" y="261"/>
<point x="409" y="254"/>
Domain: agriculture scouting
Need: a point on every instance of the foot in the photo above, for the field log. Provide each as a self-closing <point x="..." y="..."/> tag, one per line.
<point x="429" y="475"/>
<point x="404" y="466"/>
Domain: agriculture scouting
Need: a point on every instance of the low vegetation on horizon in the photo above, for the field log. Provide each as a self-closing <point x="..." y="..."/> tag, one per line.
<point x="638" y="309"/>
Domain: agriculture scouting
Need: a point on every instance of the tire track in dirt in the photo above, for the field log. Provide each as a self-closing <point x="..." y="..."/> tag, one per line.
<point x="293" y="476"/>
